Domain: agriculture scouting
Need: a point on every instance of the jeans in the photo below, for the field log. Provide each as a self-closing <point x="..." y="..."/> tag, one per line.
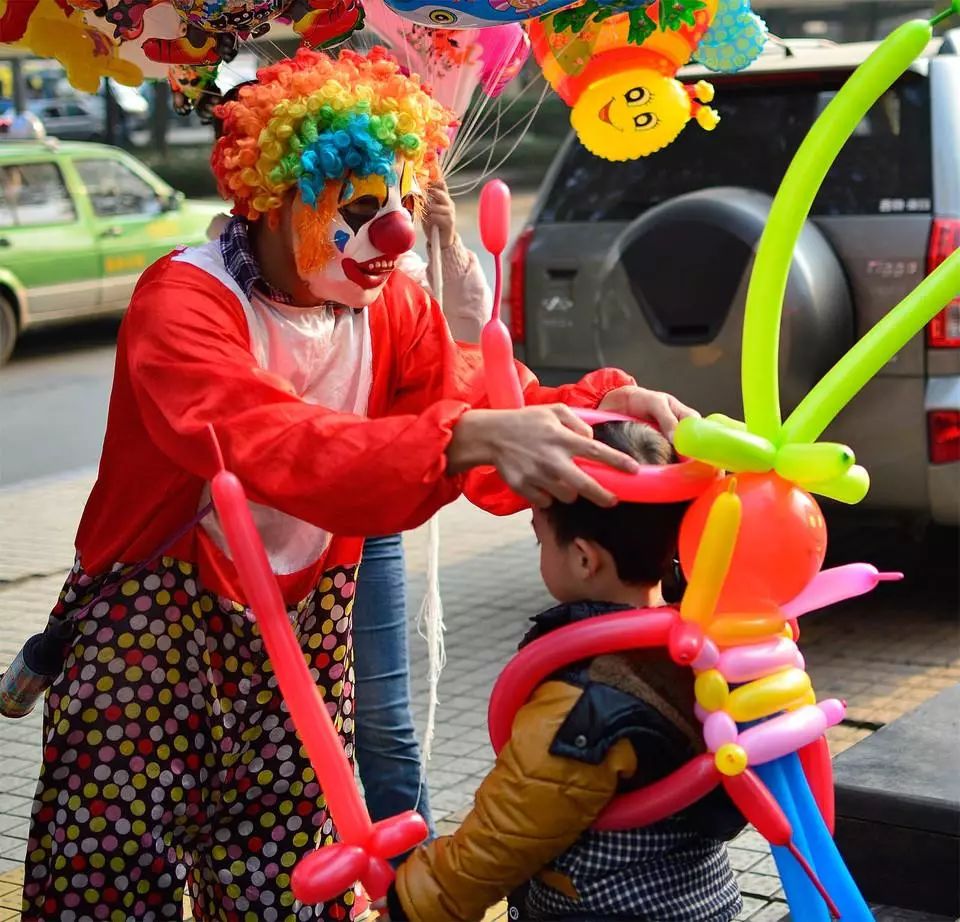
<point x="387" y="750"/>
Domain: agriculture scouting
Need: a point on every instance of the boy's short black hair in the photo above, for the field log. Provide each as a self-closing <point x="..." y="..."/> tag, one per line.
<point x="641" y="537"/>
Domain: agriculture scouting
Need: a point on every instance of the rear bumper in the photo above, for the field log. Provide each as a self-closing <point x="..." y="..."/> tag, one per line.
<point x="943" y="393"/>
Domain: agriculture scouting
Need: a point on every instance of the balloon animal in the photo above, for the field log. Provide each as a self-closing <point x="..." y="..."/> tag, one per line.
<point x="752" y="545"/>
<point x="616" y="66"/>
<point x="51" y="30"/>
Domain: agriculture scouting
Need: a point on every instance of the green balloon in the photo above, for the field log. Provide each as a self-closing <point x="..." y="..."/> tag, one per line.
<point x="839" y="385"/>
<point x="768" y="282"/>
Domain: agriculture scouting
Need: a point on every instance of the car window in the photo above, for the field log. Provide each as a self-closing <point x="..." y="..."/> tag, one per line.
<point x="34" y="194"/>
<point x="885" y="167"/>
<point x="116" y="190"/>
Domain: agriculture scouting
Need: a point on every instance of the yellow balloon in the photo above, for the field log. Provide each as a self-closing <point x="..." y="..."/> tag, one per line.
<point x="713" y="559"/>
<point x="731" y="630"/>
<point x="766" y="696"/>
<point x="711" y="690"/>
<point x="731" y="759"/>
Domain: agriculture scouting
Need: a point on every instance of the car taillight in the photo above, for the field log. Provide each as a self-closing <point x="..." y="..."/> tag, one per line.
<point x="943" y="428"/>
<point x="518" y="283"/>
<point x="943" y="332"/>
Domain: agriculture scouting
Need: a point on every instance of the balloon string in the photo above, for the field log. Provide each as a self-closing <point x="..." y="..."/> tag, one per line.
<point x="812" y="875"/>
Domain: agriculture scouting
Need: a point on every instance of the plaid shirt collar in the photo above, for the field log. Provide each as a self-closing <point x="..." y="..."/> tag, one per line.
<point x="242" y="265"/>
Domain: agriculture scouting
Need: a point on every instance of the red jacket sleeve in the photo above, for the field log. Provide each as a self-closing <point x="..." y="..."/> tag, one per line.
<point x="189" y="359"/>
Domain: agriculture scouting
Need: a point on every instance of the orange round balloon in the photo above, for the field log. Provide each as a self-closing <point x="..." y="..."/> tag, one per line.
<point x="780" y="546"/>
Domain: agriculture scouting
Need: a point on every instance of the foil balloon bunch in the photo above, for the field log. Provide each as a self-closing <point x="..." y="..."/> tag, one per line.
<point x="615" y="64"/>
<point x="133" y="40"/>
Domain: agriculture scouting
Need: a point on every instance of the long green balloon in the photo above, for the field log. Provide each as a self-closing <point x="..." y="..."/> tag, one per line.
<point x="768" y="283"/>
<point x="839" y="385"/>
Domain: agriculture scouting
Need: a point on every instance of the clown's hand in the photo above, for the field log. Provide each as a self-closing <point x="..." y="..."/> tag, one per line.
<point x="381" y="909"/>
<point x="533" y="449"/>
<point x="662" y="409"/>
<point x="440" y="214"/>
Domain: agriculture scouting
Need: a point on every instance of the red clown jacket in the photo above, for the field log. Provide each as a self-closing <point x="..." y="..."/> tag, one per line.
<point x="185" y="360"/>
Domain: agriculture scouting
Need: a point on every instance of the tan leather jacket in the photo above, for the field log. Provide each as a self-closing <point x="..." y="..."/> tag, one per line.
<point x="529" y="809"/>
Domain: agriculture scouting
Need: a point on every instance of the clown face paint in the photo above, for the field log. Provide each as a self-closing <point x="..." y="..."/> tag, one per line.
<point x="348" y="255"/>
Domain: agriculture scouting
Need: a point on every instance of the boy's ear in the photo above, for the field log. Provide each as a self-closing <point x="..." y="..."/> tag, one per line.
<point x="587" y="558"/>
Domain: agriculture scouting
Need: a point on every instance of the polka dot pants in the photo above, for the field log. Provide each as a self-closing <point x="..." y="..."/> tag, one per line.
<point x="170" y="759"/>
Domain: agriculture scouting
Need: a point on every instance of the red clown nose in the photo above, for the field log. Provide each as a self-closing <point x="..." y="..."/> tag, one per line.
<point x="393" y="234"/>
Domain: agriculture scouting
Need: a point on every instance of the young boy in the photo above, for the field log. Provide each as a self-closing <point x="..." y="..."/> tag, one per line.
<point x="595" y="729"/>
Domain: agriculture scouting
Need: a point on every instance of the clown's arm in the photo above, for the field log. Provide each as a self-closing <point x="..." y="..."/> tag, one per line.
<point x="187" y="348"/>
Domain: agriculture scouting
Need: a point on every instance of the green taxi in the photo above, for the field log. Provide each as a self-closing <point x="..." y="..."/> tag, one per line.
<point x="79" y="222"/>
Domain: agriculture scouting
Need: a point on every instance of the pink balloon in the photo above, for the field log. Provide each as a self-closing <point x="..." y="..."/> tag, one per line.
<point x="494" y="217"/>
<point x="782" y="735"/>
<point x="719" y="729"/>
<point x="753" y="661"/>
<point x="500" y="372"/>
<point x="831" y="586"/>
<point x="505" y="51"/>
<point x="707" y="658"/>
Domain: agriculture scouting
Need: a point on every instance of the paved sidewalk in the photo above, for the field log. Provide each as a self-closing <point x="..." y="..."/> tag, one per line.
<point x="885" y="657"/>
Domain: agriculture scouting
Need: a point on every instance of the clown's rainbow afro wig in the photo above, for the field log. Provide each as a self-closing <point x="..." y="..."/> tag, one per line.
<point x="313" y="118"/>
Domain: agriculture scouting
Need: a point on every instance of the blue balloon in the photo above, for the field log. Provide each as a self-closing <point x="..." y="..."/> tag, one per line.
<point x="830" y="867"/>
<point x="805" y="902"/>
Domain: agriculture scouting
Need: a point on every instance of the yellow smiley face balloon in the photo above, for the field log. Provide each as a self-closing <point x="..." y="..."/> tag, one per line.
<point x="638" y="112"/>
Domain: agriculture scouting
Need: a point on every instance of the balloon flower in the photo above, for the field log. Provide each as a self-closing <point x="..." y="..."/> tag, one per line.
<point x="616" y="66"/>
<point x="752" y="545"/>
<point x="364" y="847"/>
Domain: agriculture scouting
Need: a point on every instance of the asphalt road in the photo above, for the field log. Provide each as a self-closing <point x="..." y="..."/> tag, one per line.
<point x="55" y="391"/>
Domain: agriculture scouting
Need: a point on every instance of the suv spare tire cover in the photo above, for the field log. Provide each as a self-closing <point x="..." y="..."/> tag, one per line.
<point x="671" y="299"/>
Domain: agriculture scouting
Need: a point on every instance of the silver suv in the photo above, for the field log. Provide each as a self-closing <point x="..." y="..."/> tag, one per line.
<point x="644" y="265"/>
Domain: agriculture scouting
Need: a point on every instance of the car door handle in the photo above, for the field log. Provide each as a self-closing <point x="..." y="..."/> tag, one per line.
<point x="112" y="232"/>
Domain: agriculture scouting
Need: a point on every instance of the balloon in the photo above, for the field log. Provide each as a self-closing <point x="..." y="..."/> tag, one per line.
<point x="87" y="55"/>
<point x="244" y="16"/>
<point x="744" y="664"/>
<point x="813" y="463"/>
<point x="757" y="804"/>
<point x="711" y="690"/>
<point x="472" y="14"/>
<point x="712" y="560"/>
<point x="818" y="770"/>
<point x="791" y="206"/>
<point x="850" y="905"/>
<point x="325" y="22"/>
<point x="662" y="798"/>
<point x="329" y="871"/>
<point x="505" y="51"/>
<point x="835" y="585"/>
<point x="494" y="218"/>
<point x="719" y="729"/>
<point x="668" y="483"/>
<point x="729" y="630"/>
<point x="618" y="73"/>
<point x="783" y="734"/>
<point x="716" y="443"/>
<point x="768" y="695"/>
<point x="780" y="546"/>
<point x="626" y="630"/>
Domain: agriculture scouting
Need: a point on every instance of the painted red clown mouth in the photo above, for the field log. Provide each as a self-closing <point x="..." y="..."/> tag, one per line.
<point x="371" y="274"/>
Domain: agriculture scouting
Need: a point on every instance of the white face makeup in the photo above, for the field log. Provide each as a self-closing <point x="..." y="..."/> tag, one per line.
<point x="372" y="229"/>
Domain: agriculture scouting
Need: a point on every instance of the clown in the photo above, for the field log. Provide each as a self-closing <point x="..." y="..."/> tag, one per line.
<point x="341" y="402"/>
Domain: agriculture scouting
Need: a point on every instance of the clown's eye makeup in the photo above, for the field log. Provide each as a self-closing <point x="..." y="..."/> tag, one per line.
<point x="360" y="211"/>
<point x="645" y="121"/>
<point x="637" y="96"/>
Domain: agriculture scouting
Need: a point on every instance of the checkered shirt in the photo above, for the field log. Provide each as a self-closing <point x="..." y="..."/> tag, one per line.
<point x="661" y="873"/>
<point x="242" y="265"/>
